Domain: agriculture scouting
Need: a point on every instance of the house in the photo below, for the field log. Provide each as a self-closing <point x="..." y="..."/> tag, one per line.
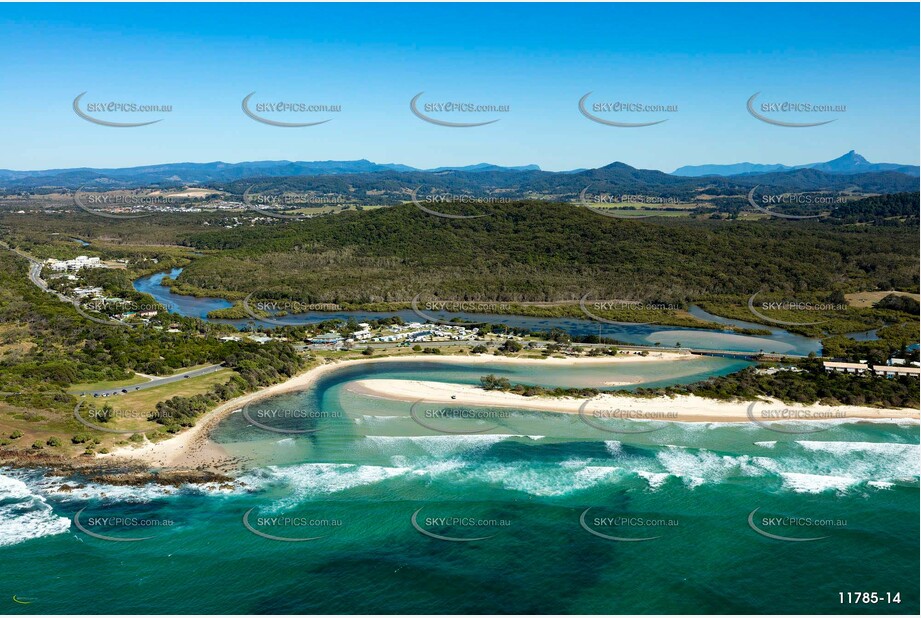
<point x="896" y="372"/>
<point x="327" y="339"/>
<point x="363" y="334"/>
<point x="81" y="261"/>
<point x="854" y="368"/>
<point x="88" y="292"/>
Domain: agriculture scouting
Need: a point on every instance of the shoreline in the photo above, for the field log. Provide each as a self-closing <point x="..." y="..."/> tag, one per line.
<point x="193" y="448"/>
<point x="680" y="408"/>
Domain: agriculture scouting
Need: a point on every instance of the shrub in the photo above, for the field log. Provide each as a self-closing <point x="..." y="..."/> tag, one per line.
<point x="495" y="383"/>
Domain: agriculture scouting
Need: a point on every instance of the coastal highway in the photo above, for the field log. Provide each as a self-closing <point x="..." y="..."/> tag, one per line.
<point x="155" y="382"/>
<point x="35" y="271"/>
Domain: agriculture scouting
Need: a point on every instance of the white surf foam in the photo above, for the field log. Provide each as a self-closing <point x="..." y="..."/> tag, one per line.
<point x="655" y="480"/>
<point x="308" y="480"/>
<point x="26" y="515"/>
<point x="816" y="483"/>
<point x="696" y="468"/>
<point x="439" y="446"/>
<point x="876" y="448"/>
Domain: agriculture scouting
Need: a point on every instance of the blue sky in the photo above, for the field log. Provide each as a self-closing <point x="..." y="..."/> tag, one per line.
<point x="538" y="59"/>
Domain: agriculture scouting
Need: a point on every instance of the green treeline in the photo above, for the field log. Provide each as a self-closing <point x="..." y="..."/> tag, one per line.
<point x="538" y="251"/>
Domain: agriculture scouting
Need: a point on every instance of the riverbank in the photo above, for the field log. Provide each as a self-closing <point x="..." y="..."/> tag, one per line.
<point x="683" y="408"/>
<point x="193" y="448"/>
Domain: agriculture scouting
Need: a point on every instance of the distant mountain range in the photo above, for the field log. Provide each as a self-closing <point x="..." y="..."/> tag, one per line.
<point x="198" y="173"/>
<point x="370" y="182"/>
<point x="850" y="163"/>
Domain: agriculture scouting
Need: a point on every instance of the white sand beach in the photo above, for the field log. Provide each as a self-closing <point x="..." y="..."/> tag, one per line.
<point x="684" y="408"/>
<point x="192" y="448"/>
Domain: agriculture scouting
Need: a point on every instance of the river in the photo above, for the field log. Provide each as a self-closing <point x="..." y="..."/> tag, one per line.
<point x="778" y="342"/>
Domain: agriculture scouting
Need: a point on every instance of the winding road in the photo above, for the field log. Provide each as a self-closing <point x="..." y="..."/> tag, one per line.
<point x="155" y="382"/>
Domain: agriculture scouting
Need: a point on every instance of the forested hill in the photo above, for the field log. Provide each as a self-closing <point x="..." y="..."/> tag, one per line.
<point x="617" y="178"/>
<point x="542" y="251"/>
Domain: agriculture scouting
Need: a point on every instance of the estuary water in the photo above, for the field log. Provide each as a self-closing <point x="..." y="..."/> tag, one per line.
<point x="347" y="504"/>
<point x="779" y="341"/>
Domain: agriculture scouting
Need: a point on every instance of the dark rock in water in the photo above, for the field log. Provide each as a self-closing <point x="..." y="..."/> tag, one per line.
<point x="174" y="478"/>
<point x="111" y="472"/>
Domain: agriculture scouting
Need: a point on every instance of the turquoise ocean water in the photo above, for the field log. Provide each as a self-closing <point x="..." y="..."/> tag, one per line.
<point x="499" y="511"/>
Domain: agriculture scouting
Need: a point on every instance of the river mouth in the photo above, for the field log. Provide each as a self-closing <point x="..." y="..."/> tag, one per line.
<point x="331" y="413"/>
<point x="778" y="342"/>
<point x="358" y="498"/>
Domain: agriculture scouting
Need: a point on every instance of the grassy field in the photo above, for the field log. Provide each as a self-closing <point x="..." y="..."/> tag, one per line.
<point x="642" y="209"/>
<point x="146" y="400"/>
<point x="862" y="300"/>
<point x="106" y="384"/>
<point x="130" y="413"/>
<point x="137" y="379"/>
